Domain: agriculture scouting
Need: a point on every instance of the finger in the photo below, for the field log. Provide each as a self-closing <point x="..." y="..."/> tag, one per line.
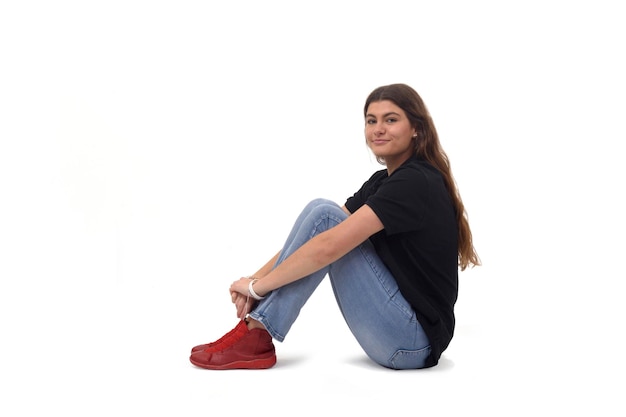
<point x="242" y="311"/>
<point x="239" y="305"/>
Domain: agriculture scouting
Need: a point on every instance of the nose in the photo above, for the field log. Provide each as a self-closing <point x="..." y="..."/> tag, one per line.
<point x="379" y="128"/>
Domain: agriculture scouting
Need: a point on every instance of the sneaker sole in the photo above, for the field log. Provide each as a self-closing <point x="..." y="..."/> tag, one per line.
<point x="253" y="364"/>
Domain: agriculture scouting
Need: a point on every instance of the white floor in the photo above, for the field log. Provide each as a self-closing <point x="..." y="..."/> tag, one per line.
<point x="127" y="354"/>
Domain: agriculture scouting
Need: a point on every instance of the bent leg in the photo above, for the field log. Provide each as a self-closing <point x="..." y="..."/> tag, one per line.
<point x="379" y="317"/>
<point x="281" y="307"/>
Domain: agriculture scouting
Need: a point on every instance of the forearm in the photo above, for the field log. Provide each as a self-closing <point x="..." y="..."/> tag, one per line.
<point x="309" y="258"/>
<point x="265" y="269"/>
<point x="318" y="252"/>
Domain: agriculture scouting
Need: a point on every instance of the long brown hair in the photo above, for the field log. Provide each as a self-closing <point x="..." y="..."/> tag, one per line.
<point x="427" y="146"/>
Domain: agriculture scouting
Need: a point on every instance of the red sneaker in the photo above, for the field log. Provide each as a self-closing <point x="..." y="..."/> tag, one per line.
<point x="254" y="350"/>
<point x="235" y="334"/>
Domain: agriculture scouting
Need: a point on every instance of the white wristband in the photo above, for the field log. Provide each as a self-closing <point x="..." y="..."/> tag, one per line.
<point x="251" y="290"/>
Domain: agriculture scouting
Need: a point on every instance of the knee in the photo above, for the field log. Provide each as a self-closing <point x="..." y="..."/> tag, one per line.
<point x="320" y="202"/>
<point x="323" y="208"/>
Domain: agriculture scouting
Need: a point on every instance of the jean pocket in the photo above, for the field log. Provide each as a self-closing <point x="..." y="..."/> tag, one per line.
<point x="410" y="359"/>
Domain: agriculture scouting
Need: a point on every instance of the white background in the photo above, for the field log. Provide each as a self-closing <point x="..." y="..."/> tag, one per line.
<point x="151" y="152"/>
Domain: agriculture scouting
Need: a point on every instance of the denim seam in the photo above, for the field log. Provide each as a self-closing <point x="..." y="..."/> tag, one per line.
<point x="392" y="297"/>
<point x="326" y="217"/>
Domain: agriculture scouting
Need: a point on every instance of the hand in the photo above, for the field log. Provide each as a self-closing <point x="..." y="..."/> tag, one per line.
<point x="240" y="286"/>
<point x="243" y="303"/>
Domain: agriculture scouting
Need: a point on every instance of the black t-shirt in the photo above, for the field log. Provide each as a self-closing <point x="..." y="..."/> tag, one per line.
<point x="419" y="243"/>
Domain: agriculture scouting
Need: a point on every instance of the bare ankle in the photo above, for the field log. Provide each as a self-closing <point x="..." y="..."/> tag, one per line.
<point x="254" y="324"/>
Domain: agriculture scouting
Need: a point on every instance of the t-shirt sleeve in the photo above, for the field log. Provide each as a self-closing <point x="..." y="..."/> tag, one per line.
<point x="368" y="188"/>
<point x="400" y="201"/>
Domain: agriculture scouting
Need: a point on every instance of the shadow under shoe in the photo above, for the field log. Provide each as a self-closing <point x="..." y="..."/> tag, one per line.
<point x="254" y="350"/>
<point x="232" y="336"/>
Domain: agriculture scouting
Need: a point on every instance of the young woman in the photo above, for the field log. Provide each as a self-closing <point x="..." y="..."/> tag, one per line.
<point x="392" y="253"/>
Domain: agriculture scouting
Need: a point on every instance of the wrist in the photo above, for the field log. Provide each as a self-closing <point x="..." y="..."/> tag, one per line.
<point x="252" y="292"/>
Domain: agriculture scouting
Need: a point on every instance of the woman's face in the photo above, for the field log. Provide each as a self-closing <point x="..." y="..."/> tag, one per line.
<point x="389" y="133"/>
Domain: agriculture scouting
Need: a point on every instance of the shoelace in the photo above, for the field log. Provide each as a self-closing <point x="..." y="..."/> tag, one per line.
<point x="245" y="308"/>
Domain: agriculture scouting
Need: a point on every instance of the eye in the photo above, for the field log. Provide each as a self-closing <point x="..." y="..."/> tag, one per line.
<point x="392" y="120"/>
<point x="370" y="121"/>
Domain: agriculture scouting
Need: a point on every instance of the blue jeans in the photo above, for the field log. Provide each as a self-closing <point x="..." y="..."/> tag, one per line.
<point x="382" y="321"/>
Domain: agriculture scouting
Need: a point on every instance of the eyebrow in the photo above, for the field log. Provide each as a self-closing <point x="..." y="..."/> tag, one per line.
<point x="384" y="115"/>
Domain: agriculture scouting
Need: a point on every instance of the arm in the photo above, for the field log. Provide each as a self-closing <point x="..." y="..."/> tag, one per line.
<point x="267" y="267"/>
<point x="318" y="252"/>
<point x="270" y="264"/>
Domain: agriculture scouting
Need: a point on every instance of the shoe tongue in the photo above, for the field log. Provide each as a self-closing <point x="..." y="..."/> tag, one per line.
<point x="242" y="327"/>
